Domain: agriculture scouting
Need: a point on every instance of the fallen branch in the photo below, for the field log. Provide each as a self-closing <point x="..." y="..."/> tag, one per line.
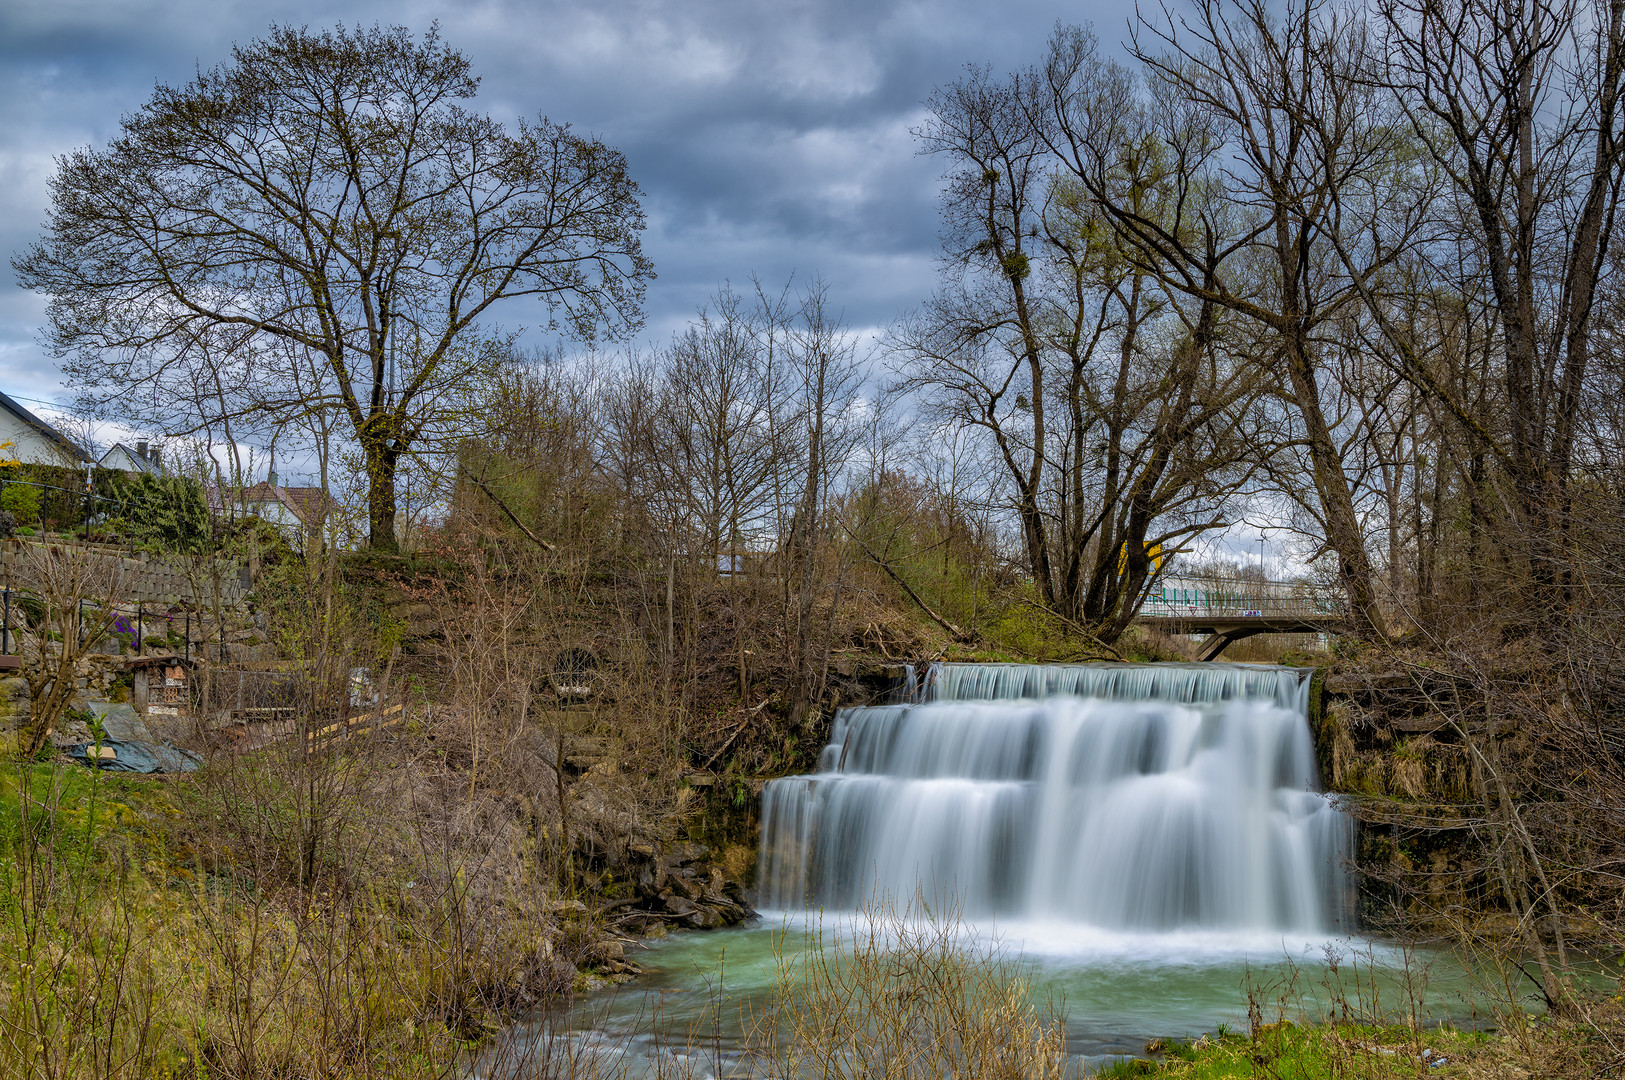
<point x="738" y="730"/>
<point x="962" y="636"/>
<point x="1075" y="626"/>
<point x="537" y="540"/>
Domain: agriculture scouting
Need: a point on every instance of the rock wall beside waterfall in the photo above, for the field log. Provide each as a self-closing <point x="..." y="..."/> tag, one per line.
<point x="1404" y="774"/>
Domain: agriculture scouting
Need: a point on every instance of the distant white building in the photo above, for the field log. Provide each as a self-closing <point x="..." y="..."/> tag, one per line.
<point x="33" y="441"/>
<point x="295" y="511"/>
<point x="143" y="459"/>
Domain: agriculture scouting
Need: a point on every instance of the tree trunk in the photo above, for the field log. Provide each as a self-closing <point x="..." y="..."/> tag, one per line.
<point x="1343" y="534"/>
<point x="382" y="461"/>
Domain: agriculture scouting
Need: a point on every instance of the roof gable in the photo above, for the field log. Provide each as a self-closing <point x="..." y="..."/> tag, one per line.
<point x="308" y="504"/>
<point x="51" y="434"/>
<point x="122" y="457"/>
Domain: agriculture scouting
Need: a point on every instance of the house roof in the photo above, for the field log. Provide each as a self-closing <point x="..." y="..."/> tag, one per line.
<point x="306" y="503"/>
<point x="64" y="443"/>
<point x="136" y="463"/>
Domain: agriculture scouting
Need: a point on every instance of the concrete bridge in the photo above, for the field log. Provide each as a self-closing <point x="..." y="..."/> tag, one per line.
<point x="1226" y="614"/>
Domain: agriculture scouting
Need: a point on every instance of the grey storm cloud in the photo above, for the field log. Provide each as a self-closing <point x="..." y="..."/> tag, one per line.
<point x="769" y="138"/>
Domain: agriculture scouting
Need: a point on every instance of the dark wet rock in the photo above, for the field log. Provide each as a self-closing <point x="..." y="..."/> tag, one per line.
<point x="607" y="950"/>
<point x="686" y="854"/>
<point x="678" y="905"/>
<point x="644" y="887"/>
<point x="706" y="918"/>
<point x="687" y="886"/>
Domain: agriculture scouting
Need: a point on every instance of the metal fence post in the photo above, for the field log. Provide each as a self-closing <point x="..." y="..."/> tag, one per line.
<point x="188" y="646"/>
<point x="5" y="627"/>
<point x="138" y="628"/>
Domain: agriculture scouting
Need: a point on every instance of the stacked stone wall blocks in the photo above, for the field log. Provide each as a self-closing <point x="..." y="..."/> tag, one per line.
<point x="154" y="581"/>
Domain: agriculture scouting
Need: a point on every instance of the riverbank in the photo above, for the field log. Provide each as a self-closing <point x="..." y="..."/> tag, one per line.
<point x="1310" y="1053"/>
<point x="383" y="918"/>
<point x="391" y="905"/>
<point x="1156" y="1007"/>
<point x="377" y="910"/>
<point x="1539" y="1047"/>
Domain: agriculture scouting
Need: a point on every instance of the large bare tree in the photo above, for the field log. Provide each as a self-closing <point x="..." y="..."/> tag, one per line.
<point x="1275" y="141"/>
<point x="328" y="196"/>
<point x="1519" y="104"/>
<point x="1117" y="423"/>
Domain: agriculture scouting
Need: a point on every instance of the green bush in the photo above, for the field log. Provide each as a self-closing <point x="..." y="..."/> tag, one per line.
<point x="164" y="513"/>
<point x="23" y="501"/>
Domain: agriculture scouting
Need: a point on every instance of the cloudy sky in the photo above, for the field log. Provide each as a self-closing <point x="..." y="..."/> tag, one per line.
<point x="769" y="137"/>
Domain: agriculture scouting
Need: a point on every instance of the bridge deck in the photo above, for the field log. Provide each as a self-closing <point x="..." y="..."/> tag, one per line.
<point x="1228" y="619"/>
<point x="1264" y="623"/>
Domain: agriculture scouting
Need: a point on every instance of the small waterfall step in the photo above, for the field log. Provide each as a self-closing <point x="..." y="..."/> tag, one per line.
<point x="1124" y="796"/>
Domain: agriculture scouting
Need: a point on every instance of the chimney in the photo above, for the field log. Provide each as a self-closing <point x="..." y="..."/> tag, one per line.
<point x="141" y="449"/>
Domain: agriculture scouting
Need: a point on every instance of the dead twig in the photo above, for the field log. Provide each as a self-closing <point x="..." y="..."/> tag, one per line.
<point x="537" y="540"/>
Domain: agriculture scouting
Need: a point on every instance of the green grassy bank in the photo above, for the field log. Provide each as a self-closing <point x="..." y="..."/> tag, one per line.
<point x="199" y="927"/>
<point x="1347" y="1051"/>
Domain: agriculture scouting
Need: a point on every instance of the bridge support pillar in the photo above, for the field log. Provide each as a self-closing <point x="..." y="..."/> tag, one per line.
<point x="1213" y="646"/>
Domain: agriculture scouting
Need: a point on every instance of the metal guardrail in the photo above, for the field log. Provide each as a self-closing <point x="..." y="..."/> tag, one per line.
<point x="1196" y="602"/>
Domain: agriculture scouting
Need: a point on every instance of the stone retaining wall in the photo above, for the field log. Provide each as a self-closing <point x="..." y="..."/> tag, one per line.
<point x="152" y="580"/>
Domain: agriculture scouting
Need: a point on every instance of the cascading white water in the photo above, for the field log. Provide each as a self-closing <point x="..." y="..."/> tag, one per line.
<point x="1123" y="796"/>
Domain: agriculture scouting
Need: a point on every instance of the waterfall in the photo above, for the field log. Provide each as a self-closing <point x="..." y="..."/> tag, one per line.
<point x="1133" y="797"/>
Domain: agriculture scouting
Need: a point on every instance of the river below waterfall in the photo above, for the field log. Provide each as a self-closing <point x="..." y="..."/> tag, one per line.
<point x="1150" y="840"/>
<point x="702" y="991"/>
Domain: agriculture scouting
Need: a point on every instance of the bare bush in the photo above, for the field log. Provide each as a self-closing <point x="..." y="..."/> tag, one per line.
<point x="905" y="993"/>
<point x="74" y="591"/>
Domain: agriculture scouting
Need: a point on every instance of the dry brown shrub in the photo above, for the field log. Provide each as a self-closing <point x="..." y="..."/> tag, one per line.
<point x="905" y="993"/>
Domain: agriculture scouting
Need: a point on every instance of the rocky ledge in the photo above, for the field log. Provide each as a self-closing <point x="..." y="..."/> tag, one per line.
<point x="677" y="886"/>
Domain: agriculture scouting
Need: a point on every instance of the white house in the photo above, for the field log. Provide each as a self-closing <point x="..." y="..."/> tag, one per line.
<point x="143" y="459"/>
<point x="295" y="511"/>
<point x="33" y="441"/>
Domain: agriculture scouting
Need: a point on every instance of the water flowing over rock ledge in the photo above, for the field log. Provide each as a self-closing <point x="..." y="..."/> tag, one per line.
<point x="1140" y="797"/>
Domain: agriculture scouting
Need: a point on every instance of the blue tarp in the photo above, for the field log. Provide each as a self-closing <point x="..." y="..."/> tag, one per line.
<point x="139" y="757"/>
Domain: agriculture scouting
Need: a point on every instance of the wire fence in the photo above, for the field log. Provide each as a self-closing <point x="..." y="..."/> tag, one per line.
<point x="130" y="627"/>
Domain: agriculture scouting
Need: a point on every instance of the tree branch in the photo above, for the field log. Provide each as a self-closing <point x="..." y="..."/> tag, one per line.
<point x="537" y="540"/>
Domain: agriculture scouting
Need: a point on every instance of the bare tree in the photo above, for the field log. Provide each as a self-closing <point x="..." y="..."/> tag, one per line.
<point x="1519" y="104"/>
<point x="329" y="193"/>
<point x="1271" y="115"/>
<point x="825" y="374"/>
<point x="1116" y="417"/>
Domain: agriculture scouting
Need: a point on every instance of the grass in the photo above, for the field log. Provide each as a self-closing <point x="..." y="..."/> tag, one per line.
<point x="1285" y="1051"/>
<point x="133" y="945"/>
